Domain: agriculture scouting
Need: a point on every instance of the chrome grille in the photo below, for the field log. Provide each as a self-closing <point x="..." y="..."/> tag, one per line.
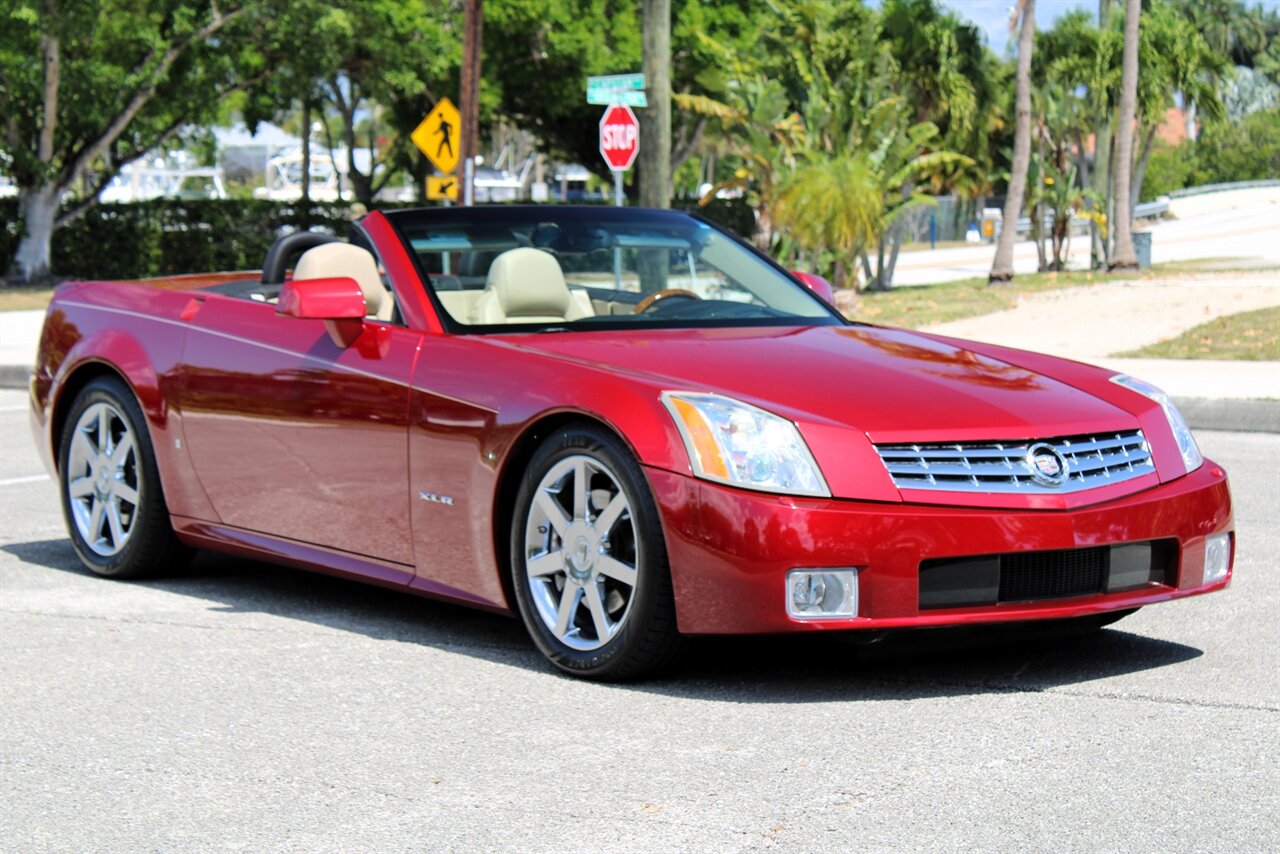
<point x="1092" y="461"/>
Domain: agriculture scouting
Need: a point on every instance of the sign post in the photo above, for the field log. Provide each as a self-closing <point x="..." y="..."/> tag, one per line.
<point x="619" y="143"/>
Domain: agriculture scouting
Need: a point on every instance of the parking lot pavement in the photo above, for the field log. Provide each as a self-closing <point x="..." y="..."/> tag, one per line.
<point x="244" y="707"/>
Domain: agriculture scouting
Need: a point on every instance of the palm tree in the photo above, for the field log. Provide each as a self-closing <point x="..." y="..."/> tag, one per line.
<point x="1123" y="258"/>
<point x="1083" y="58"/>
<point x="1175" y="58"/>
<point x="1002" y="266"/>
<point x="851" y="199"/>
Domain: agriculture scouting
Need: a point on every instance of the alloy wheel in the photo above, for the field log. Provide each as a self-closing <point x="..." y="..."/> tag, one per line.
<point x="581" y="553"/>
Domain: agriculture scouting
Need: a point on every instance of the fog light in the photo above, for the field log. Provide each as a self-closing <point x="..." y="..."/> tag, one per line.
<point x="1217" y="557"/>
<point x="816" y="594"/>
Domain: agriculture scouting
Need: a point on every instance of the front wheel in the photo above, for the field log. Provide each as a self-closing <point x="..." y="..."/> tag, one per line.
<point x="111" y="495"/>
<point x="589" y="561"/>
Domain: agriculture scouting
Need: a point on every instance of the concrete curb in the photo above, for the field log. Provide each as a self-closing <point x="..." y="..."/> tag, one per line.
<point x="1248" y="416"/>
<point x="14" y="376"/>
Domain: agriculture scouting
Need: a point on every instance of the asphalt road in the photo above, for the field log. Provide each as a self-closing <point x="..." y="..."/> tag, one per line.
<point x="243" y="707"/>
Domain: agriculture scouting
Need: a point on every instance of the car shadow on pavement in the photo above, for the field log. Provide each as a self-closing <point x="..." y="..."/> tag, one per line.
<point x="772" y="669"/>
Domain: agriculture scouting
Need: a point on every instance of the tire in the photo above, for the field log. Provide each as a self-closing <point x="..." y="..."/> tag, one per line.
<point x="113" y="502"/>
<point x="589" y="565"/>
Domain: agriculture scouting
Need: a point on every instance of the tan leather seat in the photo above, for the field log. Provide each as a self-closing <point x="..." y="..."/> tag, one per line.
<point x="343" y="259"/>
<point x="526" y="285"/>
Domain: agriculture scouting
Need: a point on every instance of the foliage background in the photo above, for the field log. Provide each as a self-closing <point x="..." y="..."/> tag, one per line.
<point x="167" y="237"/>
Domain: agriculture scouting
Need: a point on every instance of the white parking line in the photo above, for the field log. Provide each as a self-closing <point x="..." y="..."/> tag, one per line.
<point x="31" y="478"/>
<point x="13" y="409"/>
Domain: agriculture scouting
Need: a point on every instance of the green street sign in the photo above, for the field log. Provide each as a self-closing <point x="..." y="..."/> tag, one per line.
<point x="616" y="81"/>
<point x="617" y="96"/>
<point x="617" y="89"/>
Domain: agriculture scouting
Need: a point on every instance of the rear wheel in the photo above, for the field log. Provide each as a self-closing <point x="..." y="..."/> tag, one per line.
<point x="111" y="494"/>
<point x="589" y="560"/>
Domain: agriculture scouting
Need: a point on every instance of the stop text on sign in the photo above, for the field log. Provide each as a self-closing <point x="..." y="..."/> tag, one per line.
<point x="619" y="137"/>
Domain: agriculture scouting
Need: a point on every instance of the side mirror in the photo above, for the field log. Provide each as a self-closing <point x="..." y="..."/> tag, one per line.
<point x="338" y="301"/>
<point x="818" y="285"/>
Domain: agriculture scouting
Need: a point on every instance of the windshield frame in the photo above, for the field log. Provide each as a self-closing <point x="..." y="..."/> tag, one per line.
<point x="523" y="213"/>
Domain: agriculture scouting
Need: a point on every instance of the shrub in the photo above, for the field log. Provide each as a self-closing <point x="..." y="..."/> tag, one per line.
<point x="1169" y="168"/>
<point x="1245" y="152"/>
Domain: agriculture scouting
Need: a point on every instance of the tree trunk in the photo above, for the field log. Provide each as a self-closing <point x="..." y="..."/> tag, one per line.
<point x="886" y="276"/>
<point x="867" y="278"/>
<point x="1140" y="170"/>
<point x="1101" y="160"/>
<point x="38" y="210"/>
<point x="876" y="283"/>
<point x="1082" y="160"/>
<point x="1002" y="266"/>
<point x="1123" y="259"/>
<point x="1037" y="212"/>
<point x="1109" y="207"/>
<point x="655" y="120"/>
<point x="306" y="153"/>
<point x="38" y="204"/>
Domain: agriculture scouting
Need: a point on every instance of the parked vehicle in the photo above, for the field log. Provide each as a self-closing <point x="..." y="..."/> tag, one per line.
<point x="623" y="425"/>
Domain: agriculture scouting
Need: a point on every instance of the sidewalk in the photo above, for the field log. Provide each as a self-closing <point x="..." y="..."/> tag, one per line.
<point x="19" y="339"/>
<point x="1213" y="395"/>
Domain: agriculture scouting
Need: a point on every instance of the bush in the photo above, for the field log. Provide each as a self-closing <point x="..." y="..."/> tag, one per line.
<point x="166" y="237"/>
<point x="1248" y="151"/>
<point x="1168" y="169"/>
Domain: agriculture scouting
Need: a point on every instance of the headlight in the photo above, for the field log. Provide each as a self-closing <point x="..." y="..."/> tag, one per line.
<point x="740" y="444"/>
<point x="1187" y="446"/>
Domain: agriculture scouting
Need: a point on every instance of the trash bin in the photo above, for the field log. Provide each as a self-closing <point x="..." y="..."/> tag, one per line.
<point x="992" y="220"/>
<point x="1142" y="248"/>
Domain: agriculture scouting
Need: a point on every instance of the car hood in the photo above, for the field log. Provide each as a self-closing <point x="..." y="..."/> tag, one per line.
<point x="892" y="385"/>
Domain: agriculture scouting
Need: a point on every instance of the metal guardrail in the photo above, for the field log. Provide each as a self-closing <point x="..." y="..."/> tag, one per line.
<point x="1224" y="188"/>
<point x="1145" y="210"/>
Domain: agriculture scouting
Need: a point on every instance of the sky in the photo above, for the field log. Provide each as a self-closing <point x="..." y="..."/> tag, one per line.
<point x="992" y="16"/>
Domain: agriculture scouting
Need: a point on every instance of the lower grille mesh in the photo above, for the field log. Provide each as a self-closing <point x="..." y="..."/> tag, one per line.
<point x="981" y="580"/>
<point x="1052" y="575"/>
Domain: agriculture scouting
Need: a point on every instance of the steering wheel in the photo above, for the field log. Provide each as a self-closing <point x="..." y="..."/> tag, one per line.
<point x="670" y="293"/>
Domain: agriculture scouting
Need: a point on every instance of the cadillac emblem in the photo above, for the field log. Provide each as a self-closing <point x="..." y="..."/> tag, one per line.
<point x="1046" y="465"/>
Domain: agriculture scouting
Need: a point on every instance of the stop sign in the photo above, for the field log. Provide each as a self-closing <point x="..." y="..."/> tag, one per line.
<point x="619" y="137"/>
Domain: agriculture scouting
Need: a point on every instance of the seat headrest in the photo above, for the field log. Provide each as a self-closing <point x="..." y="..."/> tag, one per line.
<point x="343" y="259"/>
<point x="528" y="283"/>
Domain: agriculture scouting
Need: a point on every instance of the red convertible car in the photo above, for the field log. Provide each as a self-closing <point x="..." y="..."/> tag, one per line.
<point x="625" y="425"/>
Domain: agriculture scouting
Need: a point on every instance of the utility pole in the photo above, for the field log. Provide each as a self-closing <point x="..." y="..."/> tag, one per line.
<point x="473" y="23"/>
<point x="655" y="120"/>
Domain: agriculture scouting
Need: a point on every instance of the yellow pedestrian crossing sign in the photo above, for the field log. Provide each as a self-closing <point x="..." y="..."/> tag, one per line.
<point x="442" y="187"/>
<point x="439" y="136"/>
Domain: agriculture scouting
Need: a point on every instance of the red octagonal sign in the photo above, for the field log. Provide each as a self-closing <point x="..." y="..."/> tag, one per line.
<point x="619" y="137"/>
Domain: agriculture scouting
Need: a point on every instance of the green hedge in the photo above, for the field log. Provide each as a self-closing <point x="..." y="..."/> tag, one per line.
<point x="165" y="236"/>
<point x="1225" y="153"/>
<point x="168" y="236"/>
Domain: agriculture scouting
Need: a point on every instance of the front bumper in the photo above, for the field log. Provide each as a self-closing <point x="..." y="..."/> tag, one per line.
<point x="730" y="550"/>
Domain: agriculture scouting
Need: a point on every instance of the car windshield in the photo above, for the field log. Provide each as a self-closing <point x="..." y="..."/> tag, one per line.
<point x="559" y="268"/>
